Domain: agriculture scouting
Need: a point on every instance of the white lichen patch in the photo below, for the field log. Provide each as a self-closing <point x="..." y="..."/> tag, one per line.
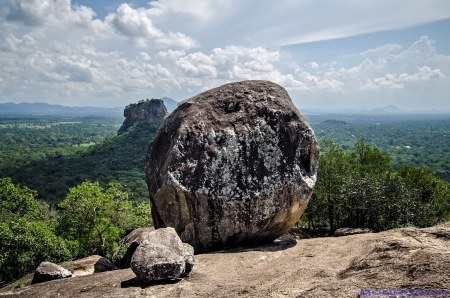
<point x="245" y="164"/>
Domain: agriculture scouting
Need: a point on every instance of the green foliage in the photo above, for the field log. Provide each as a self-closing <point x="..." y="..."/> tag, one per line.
<point x="16" y="201"/>
<point x="25" y="244"/>
<point x="360" y="188"/>
<point x="119" y="158"/>
<point x="94" y="220"/>
<point x="96" y="217"/>
<point x="142" y="101"/>
<point x="26" y="240"/>
<point x="416" y="140"/>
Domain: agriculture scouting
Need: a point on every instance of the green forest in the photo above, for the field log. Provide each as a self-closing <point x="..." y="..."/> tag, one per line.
<point x="379" y="172"/>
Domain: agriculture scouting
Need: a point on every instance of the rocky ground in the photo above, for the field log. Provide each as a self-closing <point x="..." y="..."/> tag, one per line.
<point x="405" y="259"/>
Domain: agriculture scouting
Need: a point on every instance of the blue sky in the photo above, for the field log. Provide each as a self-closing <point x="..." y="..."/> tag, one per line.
<point x="327" y="54"/>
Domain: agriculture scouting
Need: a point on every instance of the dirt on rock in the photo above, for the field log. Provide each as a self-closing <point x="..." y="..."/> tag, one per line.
<point x="400" y="259"/>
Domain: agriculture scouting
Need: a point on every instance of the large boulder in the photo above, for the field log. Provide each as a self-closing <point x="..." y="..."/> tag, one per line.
<point x="49" y="271"/>
<point x="232" y="166"/>
<point x="160" y="256"/>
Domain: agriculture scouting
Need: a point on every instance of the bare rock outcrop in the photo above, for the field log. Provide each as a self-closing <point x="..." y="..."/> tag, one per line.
<point x="407" y="260"/>
<point x="232" y="166"/>
<point x="149" y="110"/>
<point x="49" y="271"/>
<point x="160" y="256"/>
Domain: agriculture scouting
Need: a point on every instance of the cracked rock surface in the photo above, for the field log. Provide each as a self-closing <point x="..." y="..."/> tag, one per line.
<point x="232" y="166"/>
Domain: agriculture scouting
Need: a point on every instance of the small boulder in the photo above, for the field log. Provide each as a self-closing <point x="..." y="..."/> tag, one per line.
<point x="351" y="231"/>
<point x="49" y="271"/>
<point x="103" y="265"/>
<point x="133" y="239"/>
<point x="188" y="258"/>
<point x="160" y="256"/>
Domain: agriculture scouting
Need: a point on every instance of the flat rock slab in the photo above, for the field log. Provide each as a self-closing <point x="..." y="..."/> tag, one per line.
<point x="84" y="266"/>
<point x="320" y="267"/>
<point x="232" y="166"/>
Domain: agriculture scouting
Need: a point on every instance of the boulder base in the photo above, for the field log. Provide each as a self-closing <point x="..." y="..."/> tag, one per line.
<point x="232" y="166"/>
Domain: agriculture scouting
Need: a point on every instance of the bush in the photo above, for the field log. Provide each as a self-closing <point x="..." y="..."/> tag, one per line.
<point x="25" y="244"/>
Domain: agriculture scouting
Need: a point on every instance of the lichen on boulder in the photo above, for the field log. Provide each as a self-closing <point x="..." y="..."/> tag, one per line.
<point x="234" y="165"/>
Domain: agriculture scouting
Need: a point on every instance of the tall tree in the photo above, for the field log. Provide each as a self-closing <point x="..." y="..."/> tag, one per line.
<point x="97" y="218"/>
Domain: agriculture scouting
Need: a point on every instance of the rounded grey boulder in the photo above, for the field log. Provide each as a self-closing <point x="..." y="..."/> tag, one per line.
<point x="234" y="165"/>
<point x="160" y="256"/>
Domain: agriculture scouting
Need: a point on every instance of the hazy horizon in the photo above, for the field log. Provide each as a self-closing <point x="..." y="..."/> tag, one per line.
<point x="391" y="108"/>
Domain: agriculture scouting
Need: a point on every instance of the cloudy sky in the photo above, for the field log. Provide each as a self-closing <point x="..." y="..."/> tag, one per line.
<point x="327" y="53"/>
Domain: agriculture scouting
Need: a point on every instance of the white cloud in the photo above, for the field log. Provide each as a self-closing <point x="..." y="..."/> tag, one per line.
<point x="381" y="51"/>
<point x="56" y="49"/>
<point x="48" y="12"/>
<point x="139" y="29"/>
<point x="13" y="44"/>
<point x="134" y="24"/>
<point x="313" y="65"/>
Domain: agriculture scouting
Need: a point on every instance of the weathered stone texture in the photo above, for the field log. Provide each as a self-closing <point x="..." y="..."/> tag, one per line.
<point x="160" y="256"/>
<point x="232" y="166"/>
<point x="152" y="110"/>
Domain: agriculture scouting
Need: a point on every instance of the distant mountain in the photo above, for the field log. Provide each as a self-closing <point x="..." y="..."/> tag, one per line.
<point x="392" y="109"/>
<point x="39" y="108"/>
<point x="170" y="104"/>
<point x="387" y="110"/>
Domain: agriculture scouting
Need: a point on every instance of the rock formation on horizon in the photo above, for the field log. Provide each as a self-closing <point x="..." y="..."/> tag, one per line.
<point x="149" y="109"/>
<point x="232" y="166"/>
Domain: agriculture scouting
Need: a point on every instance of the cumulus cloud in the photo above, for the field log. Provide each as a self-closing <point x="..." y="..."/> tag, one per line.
<point x="133" y="24"/>
<point x="381" y="51"/>
<point x="94" y="62"/>
<point x="13" y="44"/>
<point x="139" y="29"/>
<point x="313" y="65"/>
<point x="40" y="12"/>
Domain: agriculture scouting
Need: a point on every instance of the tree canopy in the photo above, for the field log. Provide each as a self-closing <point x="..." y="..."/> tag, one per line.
<point x="360" y="188"/>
